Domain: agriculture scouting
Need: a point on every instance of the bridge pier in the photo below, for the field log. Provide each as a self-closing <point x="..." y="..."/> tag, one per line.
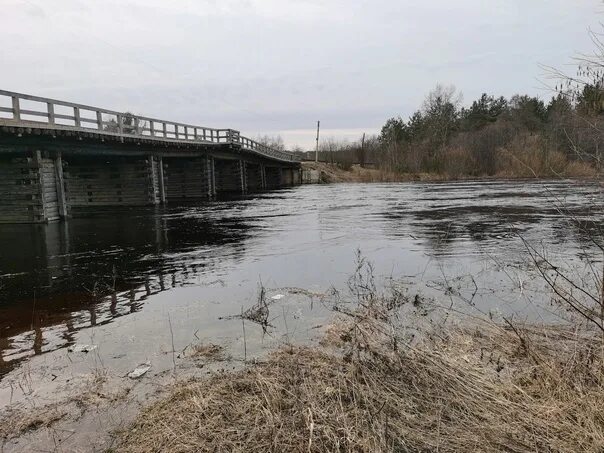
<point x="243" y="176"/>
<point x="114" y="181"/>
<point x="161" y="180"/>
<point x="32" y="189"/>
<point x="254" y="177"/>
<point x="189" y="178"/>
<point x="45" y="186"/>
<point x="287" y="177"/>
<point x="211" y="169"/>
<point x="263" y="177"/>
<point x="230" y="176"/>
<point x="100" y="157"/>
<point x="273" y="177"/>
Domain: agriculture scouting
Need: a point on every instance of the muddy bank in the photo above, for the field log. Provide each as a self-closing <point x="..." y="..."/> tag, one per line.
<point x="86" y="413"/>
<point x="77" y="399"/>
<point x="389" y="372"/>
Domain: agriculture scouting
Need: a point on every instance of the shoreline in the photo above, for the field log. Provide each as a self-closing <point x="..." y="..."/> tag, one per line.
<point x="461" y="387"/>
<point x="380" y="376"/>
<point x="332" y="173"/>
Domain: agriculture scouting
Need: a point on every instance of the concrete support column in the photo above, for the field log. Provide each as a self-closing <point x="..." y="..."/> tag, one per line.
<point x="39" y="182"/>
<point x="155" y="182"/>
<point x="211" y="177"/>
<point x="60" y="187"/>
<point x="161" y="180"/>
<point x="262" y="177"/>
<point x="243" y="176"/>
<point x="48" y="191"/>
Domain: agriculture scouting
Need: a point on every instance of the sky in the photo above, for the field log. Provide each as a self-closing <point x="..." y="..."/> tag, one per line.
<point x="275" y="67"/>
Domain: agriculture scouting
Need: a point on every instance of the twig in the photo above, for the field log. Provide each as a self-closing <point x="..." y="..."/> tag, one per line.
<point x="244" y="338"/>
<point x="173" y="349"/>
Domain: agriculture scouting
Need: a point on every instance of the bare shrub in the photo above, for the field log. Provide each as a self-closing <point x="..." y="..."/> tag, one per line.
<point x="458" y="162"/>
<point x="208" y="351"/>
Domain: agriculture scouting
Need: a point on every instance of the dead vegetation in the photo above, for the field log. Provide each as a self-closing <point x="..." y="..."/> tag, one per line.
<point x="332" y="173"/>
<point x="24" y="418"/>
<point x="259" y="312"/>
<point x="16" y="423"/>
<point x="370" y="388"/>
<point x="208" y="351"/>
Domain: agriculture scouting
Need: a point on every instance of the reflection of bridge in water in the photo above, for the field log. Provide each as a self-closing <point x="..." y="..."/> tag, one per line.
<point x="56" y="156"/>
<point x="62" y="277"/>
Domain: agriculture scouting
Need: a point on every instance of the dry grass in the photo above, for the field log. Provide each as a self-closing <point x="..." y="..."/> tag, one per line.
<point x="485" y="389"/>
<point x="522" y="160"/>
<point x="208" y="351"/>
<point x="23" y="418"/>
<point x="16" y="423"/>
<point x="331" y="173"/>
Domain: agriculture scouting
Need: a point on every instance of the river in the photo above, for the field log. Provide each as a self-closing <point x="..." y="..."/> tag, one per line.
<point x="139" y="282"/>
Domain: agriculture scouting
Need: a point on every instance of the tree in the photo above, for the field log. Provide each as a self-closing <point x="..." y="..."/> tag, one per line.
<point x="272" y="141"/>
<point x="394" y="131"/>
<point x="440" y="111"/>
<point x="527" y="112"/>
<point x="485" y="110"/>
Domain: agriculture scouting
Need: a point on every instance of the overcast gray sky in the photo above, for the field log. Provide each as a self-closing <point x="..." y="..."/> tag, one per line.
<point x="277" y="66"/>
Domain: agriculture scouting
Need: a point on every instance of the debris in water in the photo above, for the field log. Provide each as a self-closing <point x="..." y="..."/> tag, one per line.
<point x="278" y="296"/>
<point x="139" y="371"/>
<point x="81" y="348"/>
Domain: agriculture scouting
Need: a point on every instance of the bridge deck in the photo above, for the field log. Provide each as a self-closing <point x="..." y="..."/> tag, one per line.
<point x="22" y="113"/>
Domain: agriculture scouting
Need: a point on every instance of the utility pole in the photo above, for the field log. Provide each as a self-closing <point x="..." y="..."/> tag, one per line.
<point x="362" y="156"/>
<point x="317" y="148"/>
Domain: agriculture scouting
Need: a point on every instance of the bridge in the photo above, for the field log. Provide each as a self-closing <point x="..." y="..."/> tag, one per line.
<point x="58" y="156"/>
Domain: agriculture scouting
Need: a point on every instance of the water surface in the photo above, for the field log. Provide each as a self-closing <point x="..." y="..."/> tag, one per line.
<point x="137" y="281"/>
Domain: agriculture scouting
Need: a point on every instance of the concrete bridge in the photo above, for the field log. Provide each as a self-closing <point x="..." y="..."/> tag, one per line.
<point x="56" y="156"/>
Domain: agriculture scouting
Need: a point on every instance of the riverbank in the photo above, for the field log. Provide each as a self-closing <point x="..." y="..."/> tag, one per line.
<point x="331" y="173"/>
<point x="390" y="372"/>
<point x="327" y="173"/>
<point x="371" y="387"/>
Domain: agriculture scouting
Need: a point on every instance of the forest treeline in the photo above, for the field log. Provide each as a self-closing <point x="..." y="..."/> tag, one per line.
<point x="492" y="136"/>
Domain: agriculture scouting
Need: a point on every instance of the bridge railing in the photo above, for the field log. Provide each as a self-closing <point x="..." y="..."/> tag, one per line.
<point x="33" y="111"/>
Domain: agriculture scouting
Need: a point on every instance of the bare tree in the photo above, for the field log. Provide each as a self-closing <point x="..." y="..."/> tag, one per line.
<point x="272" y="141"/>
<point x="582" y="293"/>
